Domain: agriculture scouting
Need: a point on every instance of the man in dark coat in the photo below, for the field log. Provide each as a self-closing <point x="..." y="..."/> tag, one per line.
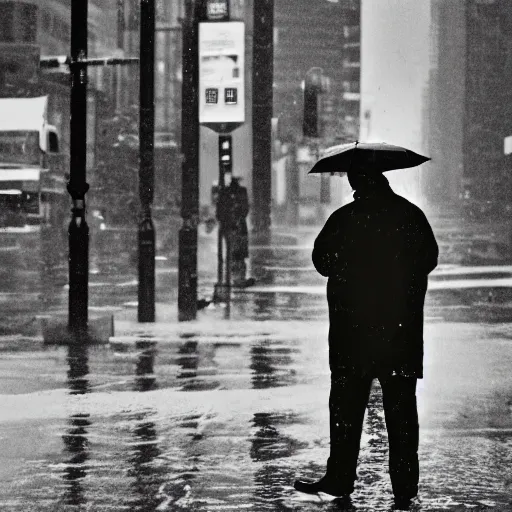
<point x="232" y="213"/>
<point x="377" y="252"/>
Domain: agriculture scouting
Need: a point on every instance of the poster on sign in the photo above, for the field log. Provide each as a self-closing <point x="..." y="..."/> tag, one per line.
<point x="221" y="72"/>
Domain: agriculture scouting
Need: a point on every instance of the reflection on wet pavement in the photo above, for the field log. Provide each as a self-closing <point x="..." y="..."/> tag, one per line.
<point x="204" y="420"/>
<point x="147" y="476"/>
<point x="227" y="423"/>
<point x="75" y="469"/>
<point x="78" y="361"/>
<point x="270" y="365"/>
<point x="75" y="437"/>
<point x="196" y="367"/>
<point x="145" y="379"/>
<point x="269" y="446"/>
<point x="28" y="290"/>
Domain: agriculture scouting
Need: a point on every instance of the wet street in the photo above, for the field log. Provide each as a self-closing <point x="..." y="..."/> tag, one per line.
<point x="224" y="415"/>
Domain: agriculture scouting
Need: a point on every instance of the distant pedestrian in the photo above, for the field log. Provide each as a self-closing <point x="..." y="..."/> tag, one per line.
<point x="377" y="252"/>
<point x="232" y="211"/>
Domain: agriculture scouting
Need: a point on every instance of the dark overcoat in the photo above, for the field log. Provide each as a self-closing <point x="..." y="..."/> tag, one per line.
<point x="233" y="208"/>
<point x="377" y="252"/>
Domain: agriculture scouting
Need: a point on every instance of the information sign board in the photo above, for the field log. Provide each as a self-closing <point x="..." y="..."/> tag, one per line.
<point x="221" y="73"/>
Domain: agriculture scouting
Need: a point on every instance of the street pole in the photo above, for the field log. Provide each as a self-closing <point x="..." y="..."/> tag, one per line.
<point x="262" y="72"/>
<point x="77" y="186"/>
<point x="146" y="290"/>
<point x="227" y="311"/>
<point x="222" y="289"/>
<point x="187" y="258"/>
<point x="293" y="186"/>
<point x="78" y="232"/>
<point x="218" y="292"/>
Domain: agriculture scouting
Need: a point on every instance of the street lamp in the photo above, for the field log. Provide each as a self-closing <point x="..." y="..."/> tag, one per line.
<point x="78" y="231"/>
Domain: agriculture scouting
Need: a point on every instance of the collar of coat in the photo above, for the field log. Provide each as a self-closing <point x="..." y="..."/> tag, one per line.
<point x="374" y="192"/>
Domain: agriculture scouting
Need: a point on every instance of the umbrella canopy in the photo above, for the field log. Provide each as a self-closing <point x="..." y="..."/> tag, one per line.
<point x="378" y="156"/>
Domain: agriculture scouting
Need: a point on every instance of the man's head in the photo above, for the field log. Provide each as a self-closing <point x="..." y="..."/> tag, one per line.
<point x="366" y="179"/>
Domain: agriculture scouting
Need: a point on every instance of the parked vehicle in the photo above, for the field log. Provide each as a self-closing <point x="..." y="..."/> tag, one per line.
<point x="33" y="176"/>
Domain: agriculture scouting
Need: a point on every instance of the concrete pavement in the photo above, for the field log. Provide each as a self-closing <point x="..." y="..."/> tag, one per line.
<point x="217" y="415"/>
<point x="223" y="415"/>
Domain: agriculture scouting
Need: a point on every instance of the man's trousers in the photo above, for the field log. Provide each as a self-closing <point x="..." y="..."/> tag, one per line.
<point x="347" y="404"/>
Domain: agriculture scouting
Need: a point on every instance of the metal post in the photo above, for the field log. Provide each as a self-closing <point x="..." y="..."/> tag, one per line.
<point x="220" y="259"/>
<point x="78" y="232"/>
<point x="225" y="167"/>
<point x="187" y="259"/>
<point x="220" y="255"/>
<point x="262" y="72"/>
<point x="227" y="311"/>
<point x="293" y="186"/>
<point x="310" y="121"/>
<point x="146" y="296"/>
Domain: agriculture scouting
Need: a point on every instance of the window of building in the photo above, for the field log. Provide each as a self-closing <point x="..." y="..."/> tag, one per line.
<point x="53" y="142"/>
<point x="92" y="42"/>
<point x="46" y="22"/>
<point x="121" y="25"/>
<point x="61" y="30"/>
<point x="350" y="86"/>
<point x="27" y="23"/>
<point x="7" y="22"/>
<point x="352" y="32"/>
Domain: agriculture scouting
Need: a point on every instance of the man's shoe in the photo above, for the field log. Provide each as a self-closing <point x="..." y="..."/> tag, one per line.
<point x="326" y="485"/>
<point x="343" y="503"/>
<point x="404" y="503"/>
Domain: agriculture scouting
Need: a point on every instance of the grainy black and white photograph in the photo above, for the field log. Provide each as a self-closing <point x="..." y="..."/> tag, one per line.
<point x="255" y="255"/>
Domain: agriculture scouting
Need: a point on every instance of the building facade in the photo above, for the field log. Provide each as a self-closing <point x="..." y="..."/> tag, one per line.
<point x="313" y="34"/>
<point x="395" y="64"/>
<point x="45" y="26"/>
<point x="319" y="34"/>
<point x="470" y="102"/>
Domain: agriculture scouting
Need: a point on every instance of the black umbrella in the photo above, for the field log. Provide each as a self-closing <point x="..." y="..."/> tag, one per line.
<point x="366" y="155"/>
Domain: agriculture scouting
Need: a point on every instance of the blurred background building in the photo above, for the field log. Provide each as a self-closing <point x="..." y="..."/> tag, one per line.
<point x="327" y="35"/>
<point x="45" y="26"/>
<point x="329" y="40"/>
<point x="470" y="109"/>
<point x="320" y="34"/>
<point x="395" y="58"/>
<point x="434" y="76"/>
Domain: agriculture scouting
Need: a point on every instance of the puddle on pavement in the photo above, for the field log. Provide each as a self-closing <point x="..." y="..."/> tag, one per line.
<point x="148" y="458"/>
